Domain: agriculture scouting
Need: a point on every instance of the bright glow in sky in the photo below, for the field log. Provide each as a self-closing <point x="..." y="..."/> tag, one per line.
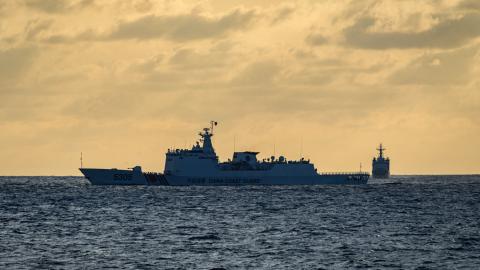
<point x="122" y="81"/>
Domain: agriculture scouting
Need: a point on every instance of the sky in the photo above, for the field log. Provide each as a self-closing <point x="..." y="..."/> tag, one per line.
<point x="123" y="81"/>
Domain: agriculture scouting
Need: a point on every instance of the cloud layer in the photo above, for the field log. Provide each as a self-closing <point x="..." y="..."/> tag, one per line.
<point x="121" y="81"/>
<point x="449" y="33"/>
<point x="182" y="27"/>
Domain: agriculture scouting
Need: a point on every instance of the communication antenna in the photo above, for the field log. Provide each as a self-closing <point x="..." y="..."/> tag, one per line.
<point x="274" y="149"/>
<point x="360" y="167"/>
<point x="301" y="147"/>
<point x="234" y="143"/>
<point x="81" y="160"/>
<point x="212" y="123"/>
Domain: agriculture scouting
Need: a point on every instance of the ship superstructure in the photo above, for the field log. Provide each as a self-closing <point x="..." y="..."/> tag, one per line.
<point x="200" y="165"/>
<point x="381" y="164"/>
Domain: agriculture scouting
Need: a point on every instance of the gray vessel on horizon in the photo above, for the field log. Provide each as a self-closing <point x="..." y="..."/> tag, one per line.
<point x="381" y="164"/>
<point x="200" y="166"/>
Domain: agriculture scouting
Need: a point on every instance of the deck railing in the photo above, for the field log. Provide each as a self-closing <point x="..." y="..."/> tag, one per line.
<point x="344" y="173"/>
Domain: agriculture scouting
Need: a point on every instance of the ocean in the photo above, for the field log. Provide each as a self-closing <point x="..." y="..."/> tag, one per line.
<point x="405" y="222"/>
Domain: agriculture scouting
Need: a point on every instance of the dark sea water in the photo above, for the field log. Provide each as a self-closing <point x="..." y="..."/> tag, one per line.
<point x="406" y="222"/>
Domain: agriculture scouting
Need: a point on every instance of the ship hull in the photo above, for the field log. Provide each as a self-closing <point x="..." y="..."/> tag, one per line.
<point x="381" y="176"/>
<point x="381" y="173"/>
<point x="122" y="177"/>
<point x="340" y="179"/>
<point x="130" y="177"/>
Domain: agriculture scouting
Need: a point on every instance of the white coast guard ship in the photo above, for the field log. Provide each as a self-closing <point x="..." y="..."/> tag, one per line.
<point x="200" y="166"/>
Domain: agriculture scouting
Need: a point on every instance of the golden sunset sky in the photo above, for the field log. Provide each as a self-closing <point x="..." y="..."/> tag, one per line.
<point x="123" y="81"/>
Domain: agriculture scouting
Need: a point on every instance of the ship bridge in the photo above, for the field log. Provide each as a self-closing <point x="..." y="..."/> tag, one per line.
<point x="201" y="155"/>
<point x="205" y="149"/>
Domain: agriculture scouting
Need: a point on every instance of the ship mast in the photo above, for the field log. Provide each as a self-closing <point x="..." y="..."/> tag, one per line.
<point x="206" y="138"/>
<point x="380" y="150"/>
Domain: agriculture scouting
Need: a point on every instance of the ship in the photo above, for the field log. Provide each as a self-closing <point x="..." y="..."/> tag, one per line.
<point x="200" y="166"/>
<point x="381" y="164"/>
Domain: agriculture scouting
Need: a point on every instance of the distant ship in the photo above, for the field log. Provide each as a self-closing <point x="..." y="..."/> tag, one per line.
<point x="200" y="166"/>
<point x="381" y="165"/>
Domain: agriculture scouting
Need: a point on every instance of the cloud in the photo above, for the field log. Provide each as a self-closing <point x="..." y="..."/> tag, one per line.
<point x="472" y="5"/>
<point x="316" y="39"/>
<point x="449" y="33"/>
<point x="186" y="59"/>
<point x="14" y="62"/>
<point x="444" y="68"/>
<point x="109" y="104"/>
<point x="35" y="27"/>
<point x="128" y="63"/>
<point x="3" y="6"/>
<point x="143" y="5"/>
<point x="57" y="6"/>
<point x="313" y="77"/>
<point x="145" y="66"/>
<point x="183" y="67"/>
<point x="87" y="35"/>
<point x="283" y="14"/>
<point x="182" y="27"/>
<point x="258" y="73"/>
